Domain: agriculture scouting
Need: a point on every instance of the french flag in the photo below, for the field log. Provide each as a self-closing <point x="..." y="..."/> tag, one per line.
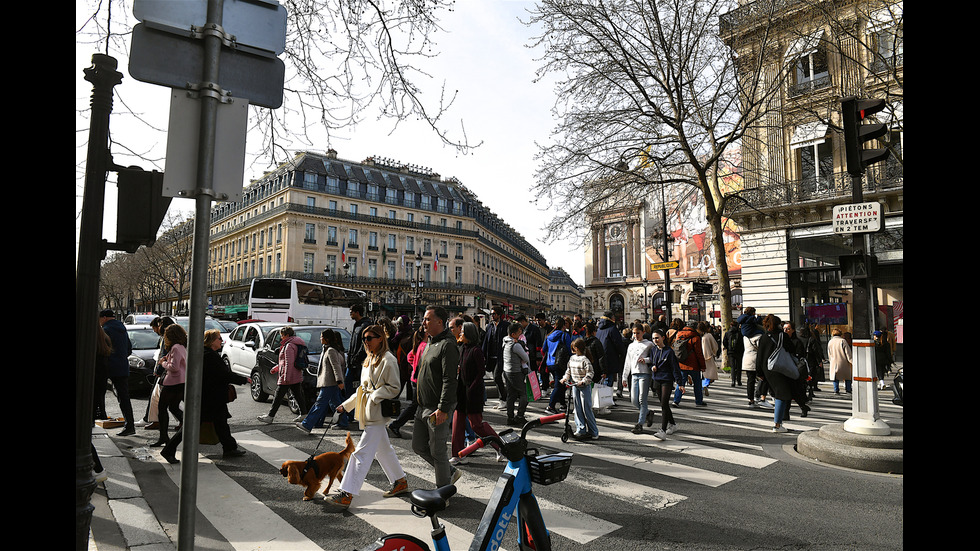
<point x="343" y="252"/>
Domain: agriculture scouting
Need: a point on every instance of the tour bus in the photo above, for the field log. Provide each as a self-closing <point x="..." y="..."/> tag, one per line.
<point x="302" y="302"/>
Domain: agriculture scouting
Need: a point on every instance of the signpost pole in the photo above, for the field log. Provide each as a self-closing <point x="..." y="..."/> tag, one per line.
<point x="204" y="194"/>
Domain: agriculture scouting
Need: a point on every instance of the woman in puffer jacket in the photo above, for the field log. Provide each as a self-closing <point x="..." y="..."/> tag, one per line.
<point x="290" y="376"/>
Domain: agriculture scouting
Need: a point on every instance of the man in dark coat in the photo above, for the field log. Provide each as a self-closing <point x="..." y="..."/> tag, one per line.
<point x="613" y="350"/>
<point x="118" y="366"/>
<point x="355" y="359"/>
<point x="493" y="345"/>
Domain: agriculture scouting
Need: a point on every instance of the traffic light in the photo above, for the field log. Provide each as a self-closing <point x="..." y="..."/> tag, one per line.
<point x="856" y="132"/>
<point x="142" y="207"/>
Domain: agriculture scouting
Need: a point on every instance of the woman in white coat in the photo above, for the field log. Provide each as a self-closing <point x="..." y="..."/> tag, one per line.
<point x="379" y="381"/>
<point x="839" y="354"/>
<point x="709" y="346"/>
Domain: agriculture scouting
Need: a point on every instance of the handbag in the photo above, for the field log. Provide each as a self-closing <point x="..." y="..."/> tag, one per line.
<point x="208" y="435"/>
<point x="391" y="408"/>
<point x="602" y="396"/>
<point x="782" y="362"/>
<point x="232" y="393"/>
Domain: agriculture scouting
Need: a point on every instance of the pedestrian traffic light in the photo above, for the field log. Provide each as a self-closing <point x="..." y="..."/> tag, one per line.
<point x="856" y="132"/>
<point x="142" y="207"/>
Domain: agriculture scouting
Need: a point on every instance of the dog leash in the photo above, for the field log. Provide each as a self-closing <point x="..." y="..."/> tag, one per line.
<point x="311" y="461"/>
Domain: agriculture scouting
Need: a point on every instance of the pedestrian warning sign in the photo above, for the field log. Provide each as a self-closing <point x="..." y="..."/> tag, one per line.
<point x="857" y="218"/>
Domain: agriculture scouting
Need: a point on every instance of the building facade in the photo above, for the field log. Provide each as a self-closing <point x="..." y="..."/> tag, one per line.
<point x="630" y="239"/>
<point x="565" y="296"/>
<point x="795" y="164"/>
<point x="401" y="233"/>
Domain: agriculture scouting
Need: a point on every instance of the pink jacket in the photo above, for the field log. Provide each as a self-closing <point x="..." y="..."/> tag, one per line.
<point x="175" y="362"/>
<point x="288" y="373"/>
<point x="413" y="359"/>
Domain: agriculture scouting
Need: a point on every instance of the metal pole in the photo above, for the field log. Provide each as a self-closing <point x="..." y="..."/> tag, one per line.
<point x="865" y="417"/>
<point x="204" y="194"/>
<point x="91" y="250"/>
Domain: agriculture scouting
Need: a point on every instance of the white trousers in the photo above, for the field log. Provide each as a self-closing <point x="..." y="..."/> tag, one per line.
<point x="373" y="444"/>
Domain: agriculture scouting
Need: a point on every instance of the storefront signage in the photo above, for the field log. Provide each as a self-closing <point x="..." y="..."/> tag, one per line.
<point x="857" y="218"/>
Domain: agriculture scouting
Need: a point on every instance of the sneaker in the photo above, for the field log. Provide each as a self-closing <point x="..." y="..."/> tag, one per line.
<point x="299" y="419"/>
<point x="780" y="429"/>
<point x="152" y="426"/>
<point x="649" y="418"/>
<point x="660" y="435"/>
<point x="128" y="431"/>
<point x="457" y="461"/>
<point x="301" y="427"/>
<point x="701" y="405"/>
<point x="339" y="501"/>
<point x="394" y="432"/>
<point x="267" y="419"/>
<point x="399" y="487"/>
<point x="141" y="423"/>
<point x="637" y="429"/>
<point x="455" y="476"/>
<point x="671" y="428"/>
<point x="101" y="476"/>
<point x="595" y="436"/>
<point x="550" y="410"/>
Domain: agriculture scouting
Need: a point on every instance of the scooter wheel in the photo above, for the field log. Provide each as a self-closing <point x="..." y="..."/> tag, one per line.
<point x="564" y="437"/>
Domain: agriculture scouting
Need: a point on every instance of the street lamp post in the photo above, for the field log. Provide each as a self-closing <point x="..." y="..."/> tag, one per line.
<point x="646" y="301"/>
<point x="417" y="284"/>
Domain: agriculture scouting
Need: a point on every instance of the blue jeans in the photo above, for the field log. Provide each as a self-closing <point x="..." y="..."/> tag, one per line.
<point x="698" y="389"/>
<point x="847" y="385"/>
<point x="639" y="389"/>
<point x="780" y="410"/>
<point x="582" y="395"/>
<point x="325" y="405"/>
<point x="558" y="392"/>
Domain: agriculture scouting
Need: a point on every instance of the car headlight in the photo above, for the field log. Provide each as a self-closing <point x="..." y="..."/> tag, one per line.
<point x="136" y="362"/>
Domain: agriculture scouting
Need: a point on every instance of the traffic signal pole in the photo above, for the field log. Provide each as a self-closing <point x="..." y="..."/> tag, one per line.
<point x="865" y="418"/>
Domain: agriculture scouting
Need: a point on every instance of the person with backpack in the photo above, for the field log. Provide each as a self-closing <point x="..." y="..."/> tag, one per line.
<point x="290" y="369"/>
<point x="690" y="355"/>
<point x="734" y="348"/>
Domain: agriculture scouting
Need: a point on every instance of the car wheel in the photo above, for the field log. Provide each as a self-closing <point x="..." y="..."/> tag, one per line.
<point x="255" y="386"/>
<point x="227" y="363"/>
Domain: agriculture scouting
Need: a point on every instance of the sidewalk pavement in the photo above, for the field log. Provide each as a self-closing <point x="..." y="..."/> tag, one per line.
<point x="122" y="519"/>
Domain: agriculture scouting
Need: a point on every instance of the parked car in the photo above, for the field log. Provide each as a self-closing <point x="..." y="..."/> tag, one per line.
<point x="139" y="319"/>
<point x="263" y="382"/>
<point x="146" y="344"/>
<point x="240" y="346"/>
<point x="209" y="323"/>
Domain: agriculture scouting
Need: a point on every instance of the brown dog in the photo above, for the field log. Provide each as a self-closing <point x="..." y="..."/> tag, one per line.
<point x="327" y="464"/>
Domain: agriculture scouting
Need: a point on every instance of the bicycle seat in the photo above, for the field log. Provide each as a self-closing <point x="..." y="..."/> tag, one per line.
<point x="430" y="502"/>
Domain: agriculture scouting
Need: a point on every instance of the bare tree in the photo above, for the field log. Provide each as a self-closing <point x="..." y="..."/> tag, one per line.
<point x="345" y="60"/>
<point x="649" y="96"/>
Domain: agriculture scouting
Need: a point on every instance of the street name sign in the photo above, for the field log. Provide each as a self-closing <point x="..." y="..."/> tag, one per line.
<point x="663" y="266"/>
<point x="701" y="288"/>
<point x="857" y="218"/>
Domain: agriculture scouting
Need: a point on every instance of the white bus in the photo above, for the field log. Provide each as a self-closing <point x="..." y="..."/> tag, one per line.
<point x="302" y="302"/>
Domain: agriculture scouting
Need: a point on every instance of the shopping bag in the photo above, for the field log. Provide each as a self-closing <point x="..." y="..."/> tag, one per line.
<point x="208" y="435"/>
<point x="780" y="361"/>
<point x="533" y="387"/>
<point x="602" y="396"/>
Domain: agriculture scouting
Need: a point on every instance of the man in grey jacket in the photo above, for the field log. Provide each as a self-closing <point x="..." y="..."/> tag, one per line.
<point x="436" y="395"/>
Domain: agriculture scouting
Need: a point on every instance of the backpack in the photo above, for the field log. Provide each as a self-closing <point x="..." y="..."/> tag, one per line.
<point x="735" y="344"/>
<point x="681" y="348"/>
<point x="302" y="356"/>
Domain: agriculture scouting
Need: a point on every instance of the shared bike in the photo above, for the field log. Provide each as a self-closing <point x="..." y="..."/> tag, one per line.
<point x="512" y="498"/>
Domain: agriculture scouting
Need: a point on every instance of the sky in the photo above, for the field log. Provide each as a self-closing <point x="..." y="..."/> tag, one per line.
<point x="483" y="54"/>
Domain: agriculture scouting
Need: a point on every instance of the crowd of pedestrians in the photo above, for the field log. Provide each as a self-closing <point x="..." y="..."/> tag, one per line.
<point x="441" y="367"/>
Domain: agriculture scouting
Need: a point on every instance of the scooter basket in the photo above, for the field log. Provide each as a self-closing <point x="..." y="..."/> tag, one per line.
<point x="549" y="468"/>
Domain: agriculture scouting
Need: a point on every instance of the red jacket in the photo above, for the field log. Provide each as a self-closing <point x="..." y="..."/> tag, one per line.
<point x="695" y="356"/>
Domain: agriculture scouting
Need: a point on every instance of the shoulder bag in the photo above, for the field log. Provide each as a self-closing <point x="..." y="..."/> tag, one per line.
<point x="782" y="362"/>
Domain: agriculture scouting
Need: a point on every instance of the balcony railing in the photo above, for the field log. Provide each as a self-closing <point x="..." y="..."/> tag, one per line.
<point x="877" y="179"/>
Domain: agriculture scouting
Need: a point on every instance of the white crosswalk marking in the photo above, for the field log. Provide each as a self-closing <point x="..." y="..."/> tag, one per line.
<point x="225" y="502"/>
<point x="369" y="505"/>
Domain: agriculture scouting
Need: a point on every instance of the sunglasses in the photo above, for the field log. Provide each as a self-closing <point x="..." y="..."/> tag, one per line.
<point x="370" y="338"/>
